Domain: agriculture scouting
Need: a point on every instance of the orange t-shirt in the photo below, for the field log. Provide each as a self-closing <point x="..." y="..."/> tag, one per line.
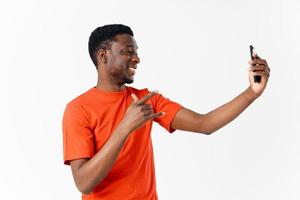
<point x="88" y="122"/>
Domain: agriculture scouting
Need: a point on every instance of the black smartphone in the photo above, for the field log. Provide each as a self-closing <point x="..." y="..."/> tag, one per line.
<point x="256" y="78"/>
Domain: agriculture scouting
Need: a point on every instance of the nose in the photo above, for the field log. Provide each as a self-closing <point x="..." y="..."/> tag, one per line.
<point x="135" y="59"/>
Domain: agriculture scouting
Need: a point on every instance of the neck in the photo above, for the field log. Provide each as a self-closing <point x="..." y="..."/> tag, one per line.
<point x="106" y="85"/>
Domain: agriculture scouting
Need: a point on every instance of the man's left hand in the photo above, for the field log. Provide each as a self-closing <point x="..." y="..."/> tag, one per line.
<point x="259" y="67"/>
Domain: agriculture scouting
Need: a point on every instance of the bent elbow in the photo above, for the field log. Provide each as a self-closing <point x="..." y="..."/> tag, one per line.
<point x="209" y="132"/>
<point x="206" y="131"/>
<point x="84" y="190"/>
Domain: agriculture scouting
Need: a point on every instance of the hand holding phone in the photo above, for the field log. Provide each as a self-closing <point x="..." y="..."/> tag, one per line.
<point x="257" y="79"/>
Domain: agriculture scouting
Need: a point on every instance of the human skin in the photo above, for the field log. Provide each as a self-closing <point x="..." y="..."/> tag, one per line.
<point x="116" y="67"/>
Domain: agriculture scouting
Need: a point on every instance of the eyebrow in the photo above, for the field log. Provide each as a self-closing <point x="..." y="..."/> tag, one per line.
<point x="130" y="45"/>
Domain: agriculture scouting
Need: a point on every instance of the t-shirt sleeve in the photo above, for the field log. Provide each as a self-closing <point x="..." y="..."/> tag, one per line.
<point x="78" y="139"/>
<point x="162" y="104"/>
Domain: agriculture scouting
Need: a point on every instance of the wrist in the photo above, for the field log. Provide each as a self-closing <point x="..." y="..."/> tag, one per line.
<point x="250" y="94"/>
<point x="123" y="129"/>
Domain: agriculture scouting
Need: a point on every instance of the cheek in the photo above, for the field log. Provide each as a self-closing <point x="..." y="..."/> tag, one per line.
<point x="116" y="66"/>
<point x="119" y="63"/>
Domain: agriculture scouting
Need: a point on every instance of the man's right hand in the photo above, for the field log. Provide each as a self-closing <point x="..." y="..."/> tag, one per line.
<point x="138" y="113"/>
<point x="88" y="173"/>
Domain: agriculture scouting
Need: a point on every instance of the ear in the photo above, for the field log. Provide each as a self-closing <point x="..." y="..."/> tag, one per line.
<point x="101" y="56"/>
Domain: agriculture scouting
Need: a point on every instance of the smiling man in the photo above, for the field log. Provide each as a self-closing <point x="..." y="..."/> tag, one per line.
<point x="107" y="129"/>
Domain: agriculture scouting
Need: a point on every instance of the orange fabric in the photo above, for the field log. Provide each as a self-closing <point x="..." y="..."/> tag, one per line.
<point x="88" y="122"/>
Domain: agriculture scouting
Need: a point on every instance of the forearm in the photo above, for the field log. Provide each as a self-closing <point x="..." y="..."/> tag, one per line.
<point x="221" y="116"/>
<point x="95" y="169"/>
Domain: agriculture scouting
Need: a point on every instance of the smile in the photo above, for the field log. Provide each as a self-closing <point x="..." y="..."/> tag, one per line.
<point x="132" y="70"/>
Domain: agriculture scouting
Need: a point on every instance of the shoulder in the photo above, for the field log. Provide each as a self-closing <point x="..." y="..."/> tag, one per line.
<point x="139" y="92"/>
<point x="77" y="104"/>
<point x="82" y="98"/>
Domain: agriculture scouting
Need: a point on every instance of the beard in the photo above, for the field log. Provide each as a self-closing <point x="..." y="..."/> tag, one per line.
<point x="121" y="74"/>
<point x="126" y="77"/>
<point x="127" y="80"/>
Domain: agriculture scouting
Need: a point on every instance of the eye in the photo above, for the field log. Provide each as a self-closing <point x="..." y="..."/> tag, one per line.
<point x="127" y="52"/>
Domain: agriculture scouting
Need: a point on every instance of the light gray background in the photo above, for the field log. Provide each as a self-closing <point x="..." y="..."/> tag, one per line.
<point x="194" y="52"/>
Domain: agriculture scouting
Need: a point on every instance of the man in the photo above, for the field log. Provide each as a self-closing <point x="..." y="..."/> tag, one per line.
<point x="107" y="129"/>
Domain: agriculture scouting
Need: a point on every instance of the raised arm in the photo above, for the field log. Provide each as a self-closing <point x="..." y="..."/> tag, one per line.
<point x="189" y="120"/>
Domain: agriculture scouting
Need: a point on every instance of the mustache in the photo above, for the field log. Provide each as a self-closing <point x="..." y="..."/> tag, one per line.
<point x="132" y="66"/>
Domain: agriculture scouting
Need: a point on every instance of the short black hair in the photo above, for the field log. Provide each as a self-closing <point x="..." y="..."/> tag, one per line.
<point x="102" y="37"/>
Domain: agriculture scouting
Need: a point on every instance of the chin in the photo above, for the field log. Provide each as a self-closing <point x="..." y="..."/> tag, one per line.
<point x="129" y="81"/>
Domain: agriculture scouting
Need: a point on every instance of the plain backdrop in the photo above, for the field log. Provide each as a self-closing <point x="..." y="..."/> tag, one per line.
<point x="195" y="53"/>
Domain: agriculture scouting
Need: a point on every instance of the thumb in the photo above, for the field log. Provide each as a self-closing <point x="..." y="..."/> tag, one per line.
<point x="134" y="97"/>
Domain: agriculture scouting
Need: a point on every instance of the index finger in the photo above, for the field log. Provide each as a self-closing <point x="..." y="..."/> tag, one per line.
<point x="259" y="61"/>
<point x="146" y="97"/>
<point x="256" y="56"/>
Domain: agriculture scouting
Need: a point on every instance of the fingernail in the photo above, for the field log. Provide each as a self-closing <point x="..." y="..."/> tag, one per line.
<point x="163" y="113"/>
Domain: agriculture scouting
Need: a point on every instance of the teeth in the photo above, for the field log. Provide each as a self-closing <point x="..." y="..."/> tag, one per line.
<point x="132" y="70"/>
